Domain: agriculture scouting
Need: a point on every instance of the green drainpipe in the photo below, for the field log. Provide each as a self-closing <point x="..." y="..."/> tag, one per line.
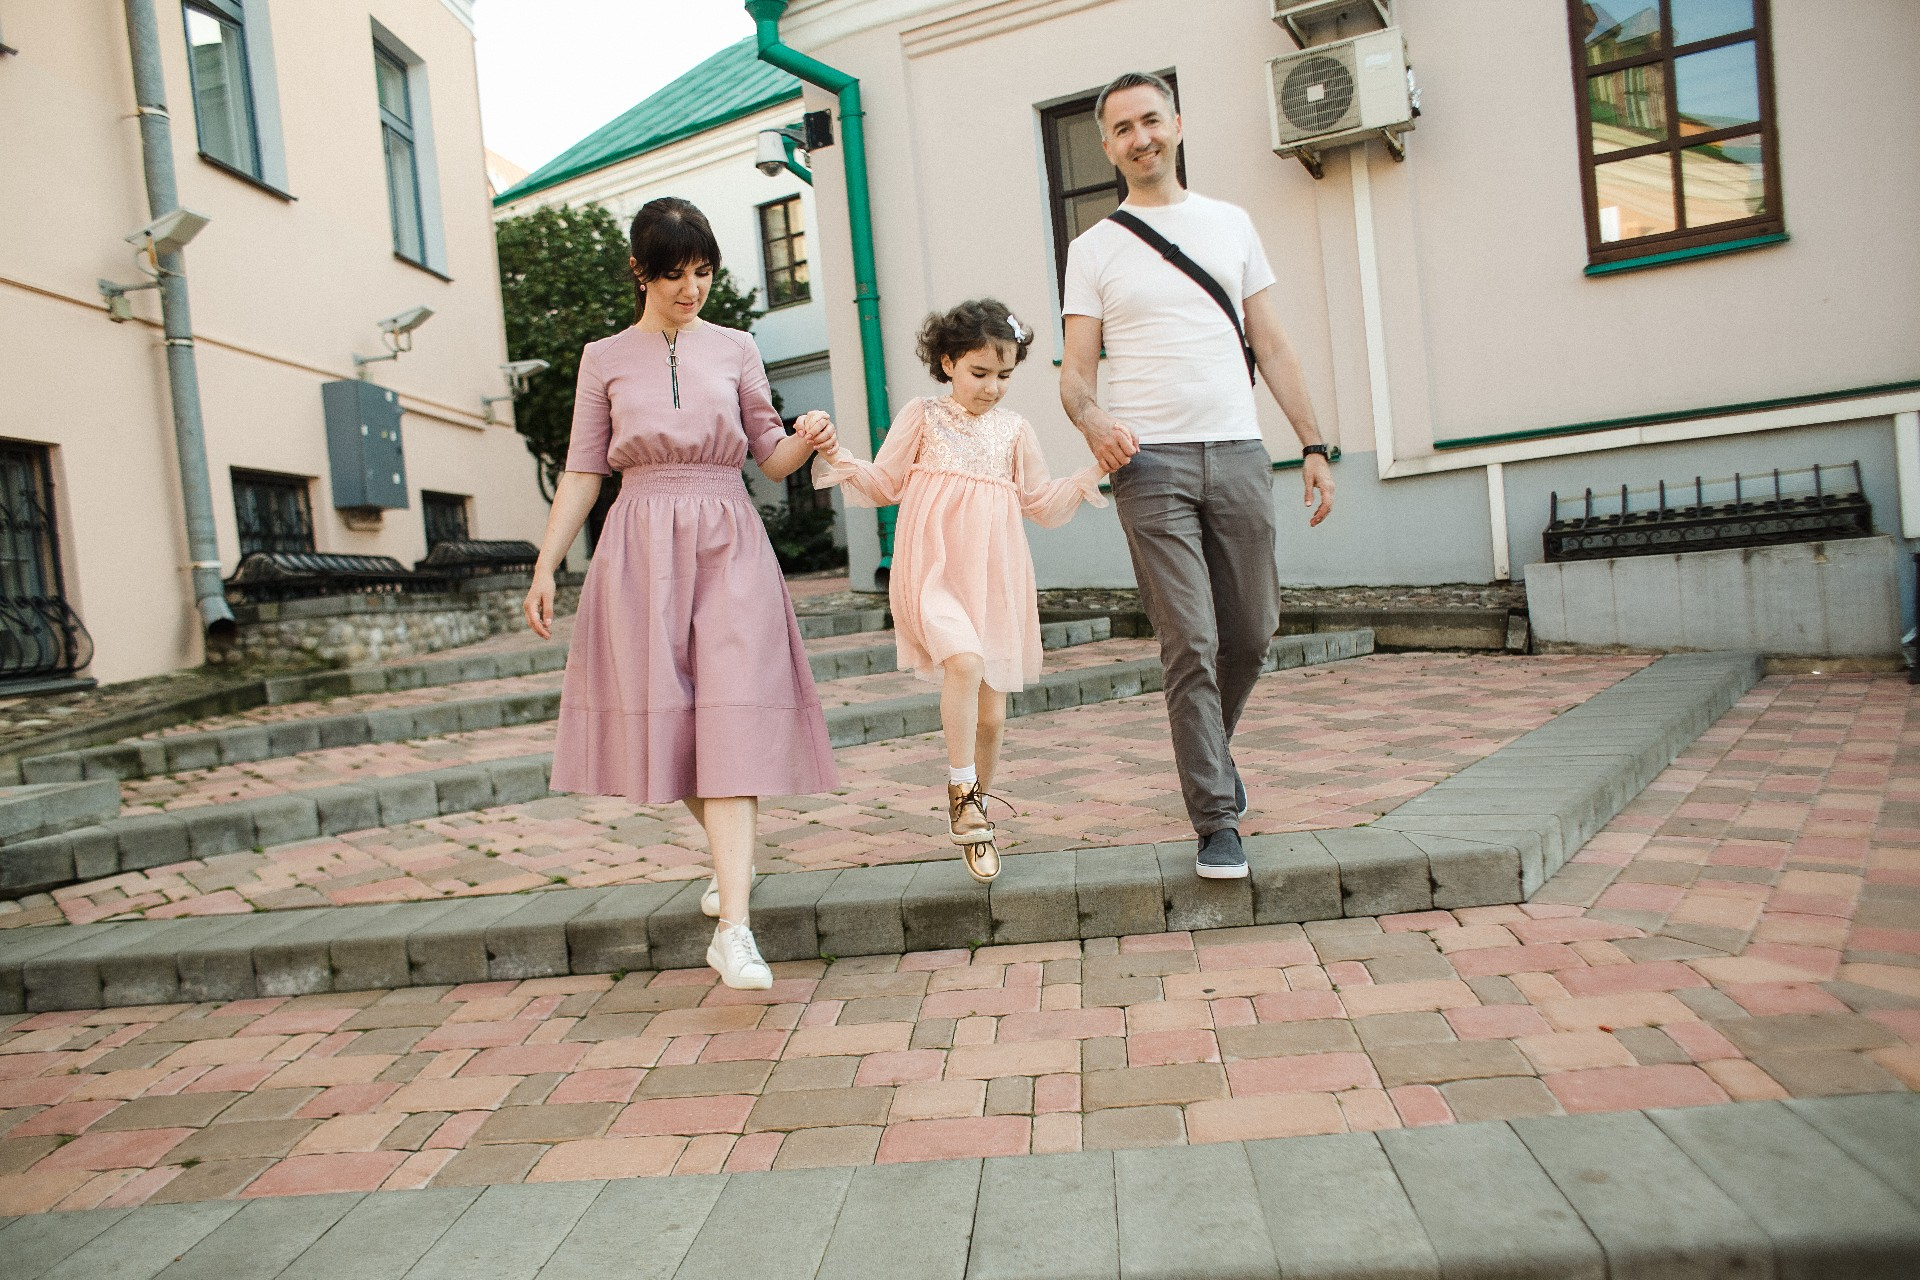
<point x="866" y="290"/>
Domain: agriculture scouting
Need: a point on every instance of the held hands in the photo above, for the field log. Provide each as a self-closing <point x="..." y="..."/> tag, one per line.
<point x="538" y="605"/>
<point x="1113" y="444"/>
<point x="816" y="428"/>
<point x="1317" y="482"/>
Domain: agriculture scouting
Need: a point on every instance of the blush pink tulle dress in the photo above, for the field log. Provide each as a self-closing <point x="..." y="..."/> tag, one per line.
<point x="962" y="577"/>
<point x="687" y="676"/>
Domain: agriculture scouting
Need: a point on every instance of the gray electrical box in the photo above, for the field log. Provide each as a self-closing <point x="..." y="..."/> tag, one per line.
<point x="363" y="444"/>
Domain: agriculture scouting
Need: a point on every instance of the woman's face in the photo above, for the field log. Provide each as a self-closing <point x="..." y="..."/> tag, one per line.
<point x="675" y="298"/>
<point x="980" y="376"/>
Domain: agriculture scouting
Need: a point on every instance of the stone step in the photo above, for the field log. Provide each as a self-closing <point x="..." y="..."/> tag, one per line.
<point x="1827" y="1187"/>
<point x="246" y="744"/>
<point x="1495" y="846"/>
<point x="204" y="831"/>
<point x="29" y="812"/>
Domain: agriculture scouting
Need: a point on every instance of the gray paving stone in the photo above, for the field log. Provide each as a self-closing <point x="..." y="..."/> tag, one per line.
<point x="293" y="737"/>
<point x="452" y="948"/>
<point x="191" y="751"/>
<point x="390" y="724"/>
<point x="149" y="841"/>
<point x="677" y="932"/>
<point x="244" y="744"/>
<point x="462" y="788"/>
<point x="96" y="853"/>
<point x="1652" y="1209"/>
<point x="343" y="731"/>
<point x="220" y="967"/>
<point x="944" y="907"/>
<point x="1334" y="1208"/>
<point x="478" y="713"/>
<point x="508" y="1233"/>
<point x="1381" y="872"/>
<point x="860" y="914"/>
<point x="1034" y="898"/>
<point x="1191" y="1212"/>
<point x="298" y="961"/>
<point x="611" y="935"/>
<point x="1046" y="1216"/>
<point x="31" y="1246"/>
<point x="1294" y="879"/>
<point x="1542" y="851"/>
<point x="784" y="913"/>
<point x="214" y="829"/>
<point x="145" y="971"/>
<point x="284" y="819"/>
<point x="1489" y="1210"/>
<point x="368" y="951"/>
<point x="36" y="866"/>
<point x="141" y="1245"/>
<point x="383" y="1236"/>
<point x="772" y="1226"/>
<point x="1823" y="1210"/>
<point x="1119" y="891"/>
<point x="1881" y="1131"/>
<point x="1193" y="903"/>
<point x="404" y="799"/>
<point x="636" y="1229"/>
<point x="1470" y="873"/>
<point x="519" y="781"/>
<point x="68" y="977"/>
<point x="262" y="1239"/>
<point x="351" y="807"/>
<point x="532" y="942"/>
<point x="904" y="1220"/>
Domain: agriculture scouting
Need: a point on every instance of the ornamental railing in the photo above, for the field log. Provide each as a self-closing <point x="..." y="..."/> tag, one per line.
<point x="1807" y="504"/>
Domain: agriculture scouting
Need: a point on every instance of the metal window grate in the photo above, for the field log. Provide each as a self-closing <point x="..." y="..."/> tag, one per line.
<point x="272" y="511"/>
<point x="1809" y="504"/>
<point x="40" y="635"/>
<point x="445" y="516"/>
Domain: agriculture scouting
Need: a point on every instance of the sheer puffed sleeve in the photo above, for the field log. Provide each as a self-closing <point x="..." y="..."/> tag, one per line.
<point x="592" y="420"/>
<point x="881" y="482"/>
<point x="1050" y="503"/>
<point x="758" y="418"/>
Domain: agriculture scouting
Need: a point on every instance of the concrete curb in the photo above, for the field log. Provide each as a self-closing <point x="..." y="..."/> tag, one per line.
<point x="1806" y="1188"/>
<point x="29" y="812"/>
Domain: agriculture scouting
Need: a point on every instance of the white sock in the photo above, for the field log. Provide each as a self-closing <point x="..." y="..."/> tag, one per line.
<point x="964" y="776"/>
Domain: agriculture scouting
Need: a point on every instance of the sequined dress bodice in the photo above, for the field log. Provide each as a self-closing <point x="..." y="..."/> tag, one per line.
<point x="956" y="441"/>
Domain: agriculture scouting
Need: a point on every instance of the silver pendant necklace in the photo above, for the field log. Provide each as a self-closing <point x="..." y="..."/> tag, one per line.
<point x="673" y="363"/>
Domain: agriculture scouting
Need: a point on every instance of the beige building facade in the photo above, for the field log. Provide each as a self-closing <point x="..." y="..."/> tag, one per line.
<point x="336" y="150"/>
<point x="1504" y="314"/>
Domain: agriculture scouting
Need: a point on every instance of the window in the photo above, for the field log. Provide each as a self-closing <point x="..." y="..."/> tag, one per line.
<point x="222" y="89"/>
<point x="783" y="243"/>
<point x="39" y="634"/>
<point x="1675" y="100"/>
<point x="446" y="517"/>
<point x="402" y="156"/>
<point x="272" y="512"/>
<point x="1082" y="184"/>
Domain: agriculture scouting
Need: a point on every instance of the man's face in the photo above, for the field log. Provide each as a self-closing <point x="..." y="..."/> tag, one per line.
<point x="1140" y="134"/>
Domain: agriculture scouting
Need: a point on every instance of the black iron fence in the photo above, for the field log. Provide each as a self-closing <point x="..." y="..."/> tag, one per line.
<point x="40" y="635"/>
<point x="1807" y="504"/>
<point x="296" y="575"/>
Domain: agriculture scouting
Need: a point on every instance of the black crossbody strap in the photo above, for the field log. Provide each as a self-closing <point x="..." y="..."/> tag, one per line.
<point x="1199" y="274"/>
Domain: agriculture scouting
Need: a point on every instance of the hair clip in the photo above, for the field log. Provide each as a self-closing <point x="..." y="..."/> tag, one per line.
<point x="1021" y="333"/>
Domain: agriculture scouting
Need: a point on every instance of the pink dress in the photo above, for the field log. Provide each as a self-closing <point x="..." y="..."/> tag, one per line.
<point x="962" y="577"/>
<point x="687" y="676"/>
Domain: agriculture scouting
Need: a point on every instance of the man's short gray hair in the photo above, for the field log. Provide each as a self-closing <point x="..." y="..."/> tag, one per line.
<point x="1131" y="80"/>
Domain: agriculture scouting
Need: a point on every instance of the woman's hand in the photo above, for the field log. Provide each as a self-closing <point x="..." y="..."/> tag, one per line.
<point x="816" y="428"/>
<point x="538" y="605"/>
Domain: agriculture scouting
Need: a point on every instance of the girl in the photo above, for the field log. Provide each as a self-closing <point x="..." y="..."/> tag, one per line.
<point x="687" y="679"/>
<point x="965" y="615"/>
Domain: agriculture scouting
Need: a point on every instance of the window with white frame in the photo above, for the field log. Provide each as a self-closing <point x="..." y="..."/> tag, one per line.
<point x="235" y="110"/>
<point x="397" y="140"/>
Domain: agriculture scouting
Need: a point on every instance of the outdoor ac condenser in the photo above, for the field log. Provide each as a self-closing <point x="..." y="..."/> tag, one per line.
<point x="1337" y="94"/>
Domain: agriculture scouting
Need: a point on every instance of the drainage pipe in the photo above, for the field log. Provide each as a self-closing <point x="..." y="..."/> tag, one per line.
<point x="866" y="289"/>
<point x="183" y="379"/>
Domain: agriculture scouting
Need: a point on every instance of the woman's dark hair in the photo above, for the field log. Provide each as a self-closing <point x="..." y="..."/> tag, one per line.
<point x="668" y="234"/>
<point x="969" y="327"/>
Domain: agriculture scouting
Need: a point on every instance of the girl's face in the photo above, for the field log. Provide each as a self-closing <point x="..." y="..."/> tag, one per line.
<point x="980" y="376"/>
<point x="675" y="298"/>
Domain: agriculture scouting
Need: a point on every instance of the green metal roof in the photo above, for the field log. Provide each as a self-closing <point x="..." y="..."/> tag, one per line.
<point x="731" y="84"/>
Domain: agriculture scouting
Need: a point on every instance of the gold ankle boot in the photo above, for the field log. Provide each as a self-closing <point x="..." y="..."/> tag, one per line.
<point x="982" y="859"/>
<point x="967" y="814"/>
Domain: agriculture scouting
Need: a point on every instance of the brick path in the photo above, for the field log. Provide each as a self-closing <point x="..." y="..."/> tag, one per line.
<point x="1753" y="932"/>
<point x="1320" y="747"/>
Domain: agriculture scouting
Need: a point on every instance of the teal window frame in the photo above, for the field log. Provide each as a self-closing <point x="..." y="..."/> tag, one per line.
<point x="232" y="17"/>
<point x="396" y="132"/>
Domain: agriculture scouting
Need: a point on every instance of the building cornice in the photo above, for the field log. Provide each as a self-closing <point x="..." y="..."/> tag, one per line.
<point x="463" y="10"/>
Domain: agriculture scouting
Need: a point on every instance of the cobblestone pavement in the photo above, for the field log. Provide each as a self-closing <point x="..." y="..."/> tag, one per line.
<point x="1752" y="933"/>
<point x="1319" y="747"/>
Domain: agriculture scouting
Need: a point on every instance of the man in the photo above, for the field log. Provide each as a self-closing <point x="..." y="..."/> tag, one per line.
<point x="1191" y="478"/>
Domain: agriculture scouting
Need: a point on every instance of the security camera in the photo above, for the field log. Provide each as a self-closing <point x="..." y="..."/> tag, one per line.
<point x="406" y="321"/>
<point x="169" y="233"/>
<point x="770" y="157"/>
<point x="520" y="370"/>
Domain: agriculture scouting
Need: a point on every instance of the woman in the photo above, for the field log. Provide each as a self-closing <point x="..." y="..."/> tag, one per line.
<point x="687" y="679"/>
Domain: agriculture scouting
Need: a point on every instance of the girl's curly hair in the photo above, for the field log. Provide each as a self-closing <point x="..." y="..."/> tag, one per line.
<point x="969" y="327"/>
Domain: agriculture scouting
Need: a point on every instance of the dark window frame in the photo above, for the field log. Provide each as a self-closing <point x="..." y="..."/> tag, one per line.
<point x="1058" y="194"/>
<point x="228" y="14"/>
<point x="433" y="510"/>
<point x="294" y="536"/>
<point x="1771" y="223"/>
<point x="796" y="268"/>
<point x="394" y="128"/>
<point x="34" y="544"/>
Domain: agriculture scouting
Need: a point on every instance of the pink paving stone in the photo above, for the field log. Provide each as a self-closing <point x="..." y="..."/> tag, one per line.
<point x="1762" y="999"/>
<point x="1257" y="955"/>
<point x="1297" y="1006"/>
<point x="297" y="1021"/>
<point x="1233" y="1011"/>
<point x="940" y="1099"/>
<point x="1349" y="973"/>
<point x="1056" y="1093"/>
<point x="417" y="1170"/>
<point x="754" y="1153"/>
<point x="920" y="961"/>
<point x="324" y="1174"/>
<point x="1652" y="975"/>
<point x="475" y="1035"/>
<point x="348" y="1099"/>
<point x="1497" y="1022"/>
<point x="66" y="1118"/>
<point x="1700" y="1041"/>
<point x="1545" y="957"/>
<point x="1418" y="921"/>
<point x="659" y="1116"/>
<point x="1572" y="929"/>
<point x="742" y="1046"/>
<point x="1816" y="962"/>
<point x="783" y="991"/>
<point x="128" y="1149"/>
<point x="1904" y="1023"/>
<point x="1163" y="1048"/>
<point x="1642" y="897"/>
<point x="1302" y="1073"/>
<point x="1061" y="1024"/>
<point x="821" y="1013"/>
<point x="992" y="1001"/>
<point x="609" y="1085"/>
<point x="1634" y="1088"/>
<point x="136" y="1191"/>
<point x="1366" y="1110"/>
<point x="684" y="1051"/>
<point x="902" y="1067"/>
<point x="1420" y="1105"/>
<point x="458" y="1130"/>
<point x="1180" y="941"/>
<point x="525" y="1060"/>
<point x="954" y="1139"/>
<point x="706" y="1153"/>
<point x="608" y="1158"/>
<point x="41" y="1092"/>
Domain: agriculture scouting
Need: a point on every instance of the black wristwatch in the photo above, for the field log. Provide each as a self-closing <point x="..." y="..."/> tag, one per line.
<point x="1316" y="448"/>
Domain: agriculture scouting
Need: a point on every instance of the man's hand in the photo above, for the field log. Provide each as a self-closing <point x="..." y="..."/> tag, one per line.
<point x="1113" y="444"/>
<point x="1317" y="480"/>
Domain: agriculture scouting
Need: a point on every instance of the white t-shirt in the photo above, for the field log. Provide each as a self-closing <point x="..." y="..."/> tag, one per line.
<point x="1174" y="371"/>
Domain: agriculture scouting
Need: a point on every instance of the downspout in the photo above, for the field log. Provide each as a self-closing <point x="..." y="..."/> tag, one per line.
<point x="183" y="379"/>
<point x="866" y="289"/>
<point x="794" y="167"/>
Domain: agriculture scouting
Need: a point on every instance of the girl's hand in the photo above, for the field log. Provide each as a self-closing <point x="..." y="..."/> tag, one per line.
<point x="538" y="605"/>
<point x="816" y="428"/>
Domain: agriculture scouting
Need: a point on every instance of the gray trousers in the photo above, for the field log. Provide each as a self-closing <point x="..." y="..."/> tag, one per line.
<point x="1199" y="524"/>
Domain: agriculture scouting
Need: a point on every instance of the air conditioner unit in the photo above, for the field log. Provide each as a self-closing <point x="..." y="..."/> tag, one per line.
<point x="1334" y="95"/>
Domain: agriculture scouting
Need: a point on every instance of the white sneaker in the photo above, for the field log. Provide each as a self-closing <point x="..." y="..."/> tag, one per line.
<point x="736" y="958"/>
<point x="710" y="900"/>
